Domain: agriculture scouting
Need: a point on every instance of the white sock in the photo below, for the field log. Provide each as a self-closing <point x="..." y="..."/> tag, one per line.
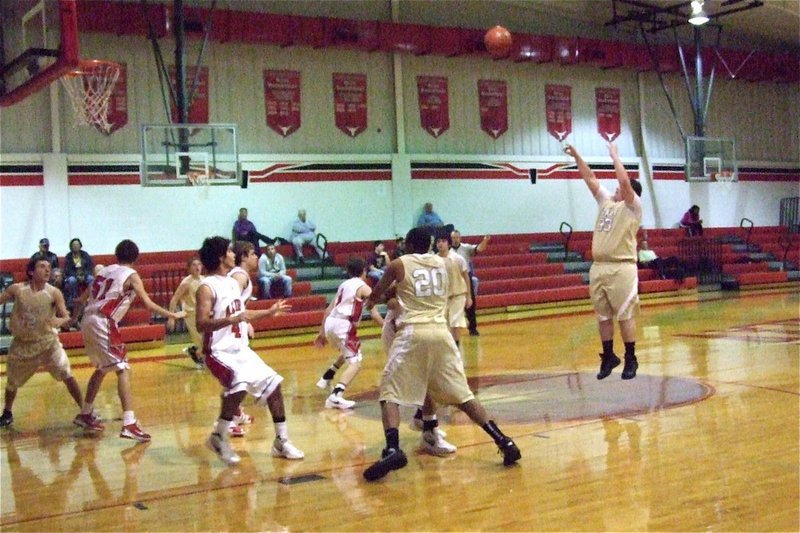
<point x="281" y="431"/>
<point x="128" y="418"/>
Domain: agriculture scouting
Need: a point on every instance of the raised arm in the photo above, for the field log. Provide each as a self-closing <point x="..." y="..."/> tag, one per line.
<point x="623" y="180"/>
<point x="586" y="173"/>
<point x="483" y="244"/>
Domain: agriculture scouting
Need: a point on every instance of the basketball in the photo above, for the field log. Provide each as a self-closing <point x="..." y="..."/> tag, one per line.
<point x="498" y="42"/>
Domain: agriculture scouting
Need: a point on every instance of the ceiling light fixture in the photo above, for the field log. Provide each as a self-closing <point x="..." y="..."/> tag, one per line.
<point x="698" y="16"/>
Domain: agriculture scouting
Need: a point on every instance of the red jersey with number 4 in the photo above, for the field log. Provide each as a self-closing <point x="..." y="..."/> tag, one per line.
<point x="227" y="301"/>
<point x="108" y="295"/>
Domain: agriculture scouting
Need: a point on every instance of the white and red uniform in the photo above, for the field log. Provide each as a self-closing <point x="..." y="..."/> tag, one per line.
<point x="247" y="292"/>
<point x="108" y="304"/>
<point x="227" y="357"/>
<point x="341" y="325"/>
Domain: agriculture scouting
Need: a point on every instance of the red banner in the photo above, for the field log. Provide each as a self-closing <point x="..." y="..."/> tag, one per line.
<point x="558" y="107"/>
<point x="493" y="105"/>
<point x="350" y="102"/>
<point x="282" y="100"/>
<point x="198" y="106"/>
<point x="608" y="122"/>
<point x="118" y="102"/>
<point x="434" y="105"/>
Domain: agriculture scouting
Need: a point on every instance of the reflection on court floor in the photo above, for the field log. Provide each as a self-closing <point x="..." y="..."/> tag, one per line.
<point x="778" y="332"/>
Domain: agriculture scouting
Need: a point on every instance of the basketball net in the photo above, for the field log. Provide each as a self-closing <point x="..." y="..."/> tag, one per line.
<point x="89" y="88"/>
<point x="725" y="178"/>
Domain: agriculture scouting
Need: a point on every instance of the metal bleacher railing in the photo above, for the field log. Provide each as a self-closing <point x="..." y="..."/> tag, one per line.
<point x="567" y="236"/>
<point x="790" y="213"/>
<point x="702" y="257"/>
<point x="747" y="225"/>
<point x="322" y="243"/>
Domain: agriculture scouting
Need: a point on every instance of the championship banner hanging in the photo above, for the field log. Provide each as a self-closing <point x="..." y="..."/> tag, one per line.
<point x="198" y="106"/>
<point x="493" y="105"/>
<point x="434" y="107"/>
<point x="608" y="121"/>
<point x="350" y="102"/>
<point x="558" y="108"/>
<point x="117" y="116"/>
<point x="282" y="100"/>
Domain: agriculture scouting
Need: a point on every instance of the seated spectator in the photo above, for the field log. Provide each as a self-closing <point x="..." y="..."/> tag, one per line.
<point x="669" y="268"/>
<point x="78" y="271"/>
<point x="245" y="230"/>
<point x="271" y="269"/>
<point x="304" y="232"/>
<point x="56" y="276"/>
<point x="399" y="247"/>
<point x="646" y="255"/>
<point x="377" y="261"/>
<point x="692" y="222"/>
<point x="429" y="218"/>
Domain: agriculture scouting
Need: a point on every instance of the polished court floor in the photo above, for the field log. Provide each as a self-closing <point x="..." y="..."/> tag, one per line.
<point x="704" y="439"/>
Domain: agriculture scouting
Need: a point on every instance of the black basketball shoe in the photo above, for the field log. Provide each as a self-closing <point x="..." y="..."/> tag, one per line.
<point x="511" y="453"/>
<point x="629" y="370"/>
<point x="391" y="459"/>
<point x="607" y="364"/>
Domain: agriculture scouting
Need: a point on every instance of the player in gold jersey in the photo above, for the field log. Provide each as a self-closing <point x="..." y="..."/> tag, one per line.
<point x="423" y="357"/>
<point x="39" y="310"/>
<point x="613" y="278"/>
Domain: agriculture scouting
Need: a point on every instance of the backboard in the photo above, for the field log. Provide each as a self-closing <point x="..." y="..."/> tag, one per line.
<point x="711" y="159"/>
<point x="190" y="154"/>
<point x="39" y="44"/>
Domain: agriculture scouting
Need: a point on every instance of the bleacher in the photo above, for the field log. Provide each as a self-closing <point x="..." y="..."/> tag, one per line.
<point x="516" y="272"/>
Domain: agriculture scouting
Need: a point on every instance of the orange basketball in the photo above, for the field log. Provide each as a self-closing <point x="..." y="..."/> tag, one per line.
<point x="498" y="42"/>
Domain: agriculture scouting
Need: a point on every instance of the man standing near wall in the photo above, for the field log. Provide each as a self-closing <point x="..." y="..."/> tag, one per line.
<point x="613" y="278"/>
<point x="468" y="251"/>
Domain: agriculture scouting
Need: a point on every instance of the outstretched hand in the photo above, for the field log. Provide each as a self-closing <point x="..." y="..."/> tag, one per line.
<point x="280" y="307"/>
<point x="570" y="150"/>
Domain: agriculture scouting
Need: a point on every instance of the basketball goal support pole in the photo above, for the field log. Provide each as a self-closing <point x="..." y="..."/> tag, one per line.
<point x="697" y="101"/>
<point x="180" y="81"/>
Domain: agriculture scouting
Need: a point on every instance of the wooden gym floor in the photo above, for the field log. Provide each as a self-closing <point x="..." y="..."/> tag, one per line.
<point x="705" y="438"/>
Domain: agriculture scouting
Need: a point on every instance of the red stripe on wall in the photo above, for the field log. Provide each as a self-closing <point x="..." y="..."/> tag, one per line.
<point x="445" y="174"/>
<point x="764" y="176"/>
<point x="260" y="175"/>
<point x="677" y="175"/>
<point x="21" y="180"/>
<point x="104" y="179"/>
<point x="307" y="176"/>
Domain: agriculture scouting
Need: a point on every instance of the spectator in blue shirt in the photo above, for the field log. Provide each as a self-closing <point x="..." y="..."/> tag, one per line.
<point x="429" y="218"/>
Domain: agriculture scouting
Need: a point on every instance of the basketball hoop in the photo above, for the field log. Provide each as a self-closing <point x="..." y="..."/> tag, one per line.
<point x="195" y="177"/>
<point x="726" y="178"/>
<point x="89" y="88"/>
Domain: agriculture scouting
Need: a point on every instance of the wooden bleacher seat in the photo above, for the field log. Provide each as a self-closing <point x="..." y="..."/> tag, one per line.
<point x="130" y="334"/>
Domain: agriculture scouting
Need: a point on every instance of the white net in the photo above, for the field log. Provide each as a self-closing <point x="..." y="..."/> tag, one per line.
<point x="726" y="178"/>
<point x="89" y="89"/>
